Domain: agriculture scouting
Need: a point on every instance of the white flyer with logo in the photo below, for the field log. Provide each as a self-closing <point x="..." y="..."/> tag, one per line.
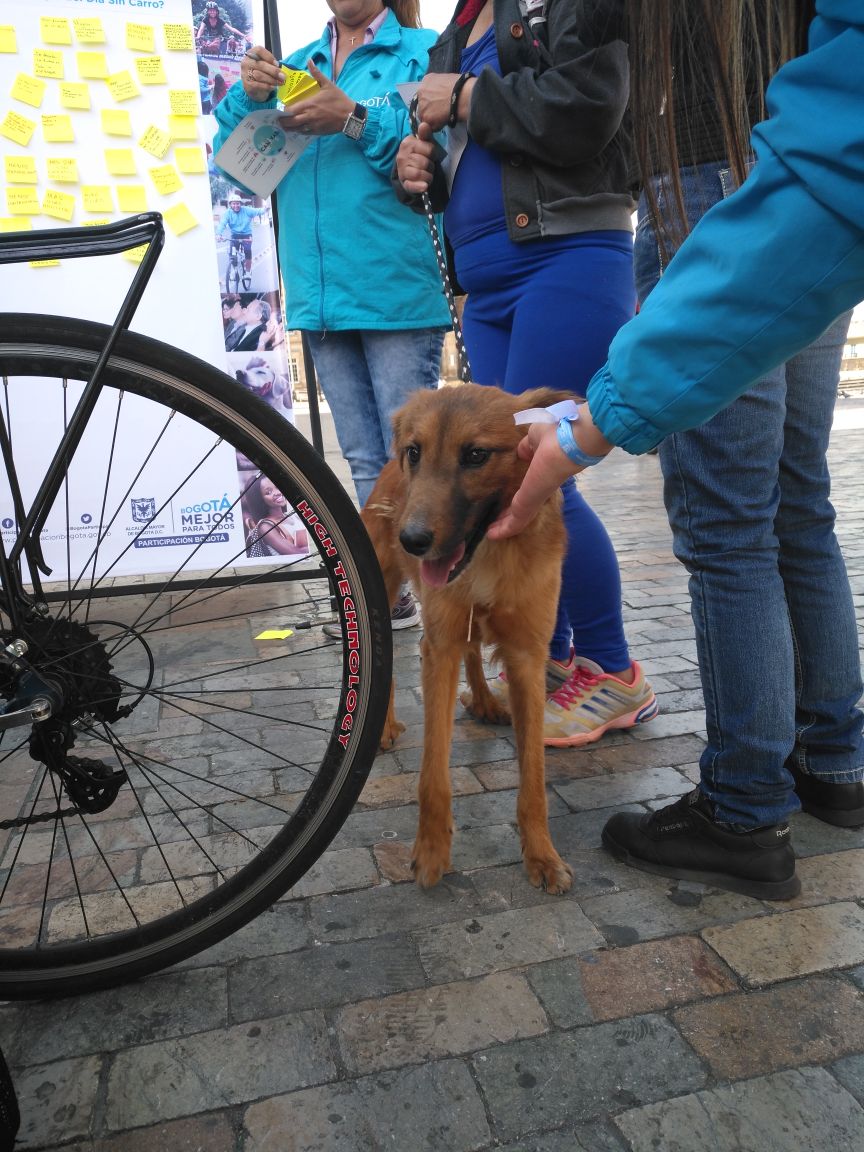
<point x="259" y="151"/>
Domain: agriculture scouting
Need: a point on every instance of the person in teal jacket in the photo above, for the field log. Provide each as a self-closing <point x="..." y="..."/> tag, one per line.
<point x="761" y="277"/>
<point x="360" y="273"/>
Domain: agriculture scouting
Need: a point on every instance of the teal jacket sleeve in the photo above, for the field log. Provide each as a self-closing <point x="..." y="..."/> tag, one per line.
<point x="764" y="272"/>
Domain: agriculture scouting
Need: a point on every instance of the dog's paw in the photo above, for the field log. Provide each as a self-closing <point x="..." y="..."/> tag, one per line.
<point x="430" y="859"/>
<point x="550" y="872"/>
<point x="487" y="711"/>
<point x="393" y="729"/>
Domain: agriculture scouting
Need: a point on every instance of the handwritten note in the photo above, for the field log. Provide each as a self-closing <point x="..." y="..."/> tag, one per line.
<point x="8" y="39"/>
<point x="122" y="86"/>
<point x="89" y="30"/>
<point x="55" y="30"/>
<point x="140" y="38"/>
<point x="60" y="205"/>
<point x="166" y="179"/>
<point x="75" y="95"/>
<point x="150" y="70"/>
<point x="57" y="129"/>
<point x="97" y="198"/>
<point x="17" y="128"/>
<point x="22" y="202"/>
<point x="29" y="90"/>
<point x="20" y="170"/>
<point x="178" y="37"/>
<point x="48" y="63"/>
<point x="14" y="224"/>
<point x="184" y="102"/>
<point x="63" y="169"/>
<point x="155" y="141"/>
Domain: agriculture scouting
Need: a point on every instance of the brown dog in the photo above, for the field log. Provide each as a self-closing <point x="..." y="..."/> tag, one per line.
<point x="455" y="469"/>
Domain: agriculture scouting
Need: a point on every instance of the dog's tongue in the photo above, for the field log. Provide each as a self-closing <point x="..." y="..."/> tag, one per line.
<point x="435" y="572"/>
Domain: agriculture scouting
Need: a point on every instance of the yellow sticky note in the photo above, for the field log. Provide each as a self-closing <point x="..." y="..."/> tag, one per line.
<point x="150" y="70"/>
<point x="120" y="161"/>
<point x="122" y="86"/>
<point x="44" y="263"/>
<point x="97" y="198"/>
<point x="55" y="30"/>
<point x="179" y="219"/>
<point x="17" y="128"/>
<point x="22" y="202"/>
<point x="92" y="65"/>
<point x="63" y="169"/>
<point x="178" y="37"/>
<point x="132" y="197"/>
<point x="97" y="222"/>
<point x="190" y="160"/>
<point x="48" y="63"/>
<point x="89" y="30"/>
<point x="8" y="39"/>
<point x="116" y="122"/>
<point x="136" y="255"/>
<point x="140" y="38"/>
<point x="14" y="224"/>
<point x="297" y="85"/>
<point x="74" y="95"/>
<point x="184" y="102"/>
<point x="21" y="170"/>
<point x="182" y="128"/>
<point x="28" y="90"/>
<point x="60" y="205"/>
<point x="155" y="141"/>
<point x="166" y="179"/>
<point x="57" y="129"/>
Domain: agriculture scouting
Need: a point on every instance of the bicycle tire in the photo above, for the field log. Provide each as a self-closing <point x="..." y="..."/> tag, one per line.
<point x="232" y="275"/>
<point x="337" y="698"/>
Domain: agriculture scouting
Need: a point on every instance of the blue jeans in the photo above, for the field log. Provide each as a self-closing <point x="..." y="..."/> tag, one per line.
<point x="366" y="377"/>
<point x="543" y="315"/>
<point x="748" y="499"/>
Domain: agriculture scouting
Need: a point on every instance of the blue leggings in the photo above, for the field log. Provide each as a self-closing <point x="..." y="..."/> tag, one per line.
<point x="543" y="314"/>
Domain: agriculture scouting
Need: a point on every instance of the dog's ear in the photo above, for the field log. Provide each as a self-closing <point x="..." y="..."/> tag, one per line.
<point x="544" y="397"/>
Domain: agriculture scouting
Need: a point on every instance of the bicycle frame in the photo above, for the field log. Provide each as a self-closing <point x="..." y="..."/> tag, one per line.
<point x="54" y="244"/>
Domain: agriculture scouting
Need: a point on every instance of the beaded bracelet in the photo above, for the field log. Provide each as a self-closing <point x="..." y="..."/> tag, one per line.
<point x="567" y="444"/>
<point x="453" y="118"/>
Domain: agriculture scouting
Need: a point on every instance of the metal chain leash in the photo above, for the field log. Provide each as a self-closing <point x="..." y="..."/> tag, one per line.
<point x="461" y="351"/>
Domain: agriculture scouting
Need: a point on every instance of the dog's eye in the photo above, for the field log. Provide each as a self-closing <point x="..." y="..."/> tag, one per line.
<point x="475" y="457"/>
<point x="412" y="454"/>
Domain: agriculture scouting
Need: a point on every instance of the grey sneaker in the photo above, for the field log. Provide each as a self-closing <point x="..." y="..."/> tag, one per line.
<point x="405" y="613"/>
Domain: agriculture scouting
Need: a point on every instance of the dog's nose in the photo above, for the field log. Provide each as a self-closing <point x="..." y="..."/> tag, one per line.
<point x="417" y="541"/>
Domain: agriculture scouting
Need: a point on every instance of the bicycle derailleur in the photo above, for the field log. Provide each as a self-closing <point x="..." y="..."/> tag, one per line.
<point x="60" y="680"/>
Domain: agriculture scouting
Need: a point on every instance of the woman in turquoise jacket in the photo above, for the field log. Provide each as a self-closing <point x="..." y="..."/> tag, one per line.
<point x="359" y="272"/>
<point x="761" y="277"/>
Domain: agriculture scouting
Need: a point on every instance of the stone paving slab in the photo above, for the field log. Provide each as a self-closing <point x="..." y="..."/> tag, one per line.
<point x="362" y="1014"/>
<point x="796" y="1111"/>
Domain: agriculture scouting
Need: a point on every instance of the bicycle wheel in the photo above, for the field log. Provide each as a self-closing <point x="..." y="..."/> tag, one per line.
<point x="232" y="274"/>
<point x="210" y="739"/>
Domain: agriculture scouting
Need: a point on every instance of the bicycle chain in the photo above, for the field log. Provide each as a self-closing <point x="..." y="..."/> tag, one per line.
<point x="45" y="818"/>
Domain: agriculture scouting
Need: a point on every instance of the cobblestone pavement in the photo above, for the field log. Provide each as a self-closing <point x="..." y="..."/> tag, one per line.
<point x="633" y="1014"/>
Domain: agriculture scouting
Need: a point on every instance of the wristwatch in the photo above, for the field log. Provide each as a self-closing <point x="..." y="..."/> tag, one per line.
<point x="356" y="122"/>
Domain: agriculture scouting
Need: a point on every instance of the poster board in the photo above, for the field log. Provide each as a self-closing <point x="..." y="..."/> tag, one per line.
<point x="105" y="111"/>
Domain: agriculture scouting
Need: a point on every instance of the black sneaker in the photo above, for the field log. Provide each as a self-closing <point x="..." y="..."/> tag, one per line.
<point x="839" y="804"/>
<point x="682" y="840"/>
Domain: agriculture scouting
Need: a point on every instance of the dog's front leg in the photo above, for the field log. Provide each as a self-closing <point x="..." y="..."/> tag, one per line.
<point x="544" y="866"/>
<point x="431" y="856"/>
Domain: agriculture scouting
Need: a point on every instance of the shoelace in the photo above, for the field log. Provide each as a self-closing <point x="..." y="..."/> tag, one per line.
<point x="581" y="678"/>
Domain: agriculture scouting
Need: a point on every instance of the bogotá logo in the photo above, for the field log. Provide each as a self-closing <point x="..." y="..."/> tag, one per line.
<point x="143" y="510"/>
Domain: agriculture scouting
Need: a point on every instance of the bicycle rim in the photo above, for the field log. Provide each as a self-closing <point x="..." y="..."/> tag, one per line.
<point x="234" y="735"/>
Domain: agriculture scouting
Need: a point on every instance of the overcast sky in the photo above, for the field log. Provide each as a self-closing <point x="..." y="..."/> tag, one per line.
<point x="302" y="21"/>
